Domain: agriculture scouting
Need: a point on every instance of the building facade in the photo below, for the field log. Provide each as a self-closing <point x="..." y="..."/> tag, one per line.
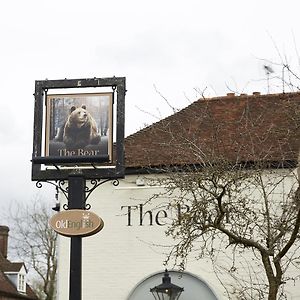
<point x="127" y="258"/>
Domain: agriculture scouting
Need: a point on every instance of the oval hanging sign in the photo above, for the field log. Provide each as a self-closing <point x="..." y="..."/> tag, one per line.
<point x="76" y="222"/>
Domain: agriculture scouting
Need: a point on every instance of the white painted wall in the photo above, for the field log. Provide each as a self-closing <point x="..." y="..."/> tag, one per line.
<point x="120" y="257"/>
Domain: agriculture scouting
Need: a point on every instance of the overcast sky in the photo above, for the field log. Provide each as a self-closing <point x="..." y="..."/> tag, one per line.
<point x="177" y="48"/>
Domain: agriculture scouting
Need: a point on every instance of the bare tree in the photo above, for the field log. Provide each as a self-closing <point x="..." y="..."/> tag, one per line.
<point x="257" y="210"/>
<point x="35" y="243"/>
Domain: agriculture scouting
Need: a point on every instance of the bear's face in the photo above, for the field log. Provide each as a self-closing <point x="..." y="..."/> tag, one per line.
<point x="79" y="116"/>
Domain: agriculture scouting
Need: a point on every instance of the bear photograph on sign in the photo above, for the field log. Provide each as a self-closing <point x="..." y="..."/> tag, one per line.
<point x="79" y="124"/>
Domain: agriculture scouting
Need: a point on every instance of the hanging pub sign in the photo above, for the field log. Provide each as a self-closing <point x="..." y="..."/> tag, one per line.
<point x="79" y="125"/>
<point x="76" y="222"/>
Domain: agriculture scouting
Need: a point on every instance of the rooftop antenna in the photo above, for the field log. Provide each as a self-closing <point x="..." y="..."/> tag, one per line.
<point x="268" y="70"/>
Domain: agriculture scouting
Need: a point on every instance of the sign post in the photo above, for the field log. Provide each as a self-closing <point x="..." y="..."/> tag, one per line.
<point x="82" y="142"/>
<point x="76" y="201"/>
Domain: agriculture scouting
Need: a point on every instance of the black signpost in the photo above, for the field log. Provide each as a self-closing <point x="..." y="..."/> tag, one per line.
<point x="66" y="167"/>
<point x="77" y="197"/>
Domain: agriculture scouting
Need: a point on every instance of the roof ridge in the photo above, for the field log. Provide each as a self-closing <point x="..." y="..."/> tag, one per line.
<point x="255" y="95"/>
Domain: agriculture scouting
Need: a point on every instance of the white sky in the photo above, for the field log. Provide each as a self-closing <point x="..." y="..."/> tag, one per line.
<point x="177" y="46"/>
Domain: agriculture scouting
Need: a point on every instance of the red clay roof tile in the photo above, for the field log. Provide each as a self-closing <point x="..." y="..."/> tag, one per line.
<point x="239" y="128"/>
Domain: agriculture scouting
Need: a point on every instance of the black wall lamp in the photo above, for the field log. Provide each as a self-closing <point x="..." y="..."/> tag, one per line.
<point x="166" y="290"/>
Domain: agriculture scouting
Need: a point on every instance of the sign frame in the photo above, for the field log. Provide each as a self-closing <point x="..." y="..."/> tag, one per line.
<point x="95" y="166"/>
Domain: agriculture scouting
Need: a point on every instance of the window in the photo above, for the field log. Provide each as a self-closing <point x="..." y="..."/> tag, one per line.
<point x="21" y="283"/>
<point x="194" y="287"/>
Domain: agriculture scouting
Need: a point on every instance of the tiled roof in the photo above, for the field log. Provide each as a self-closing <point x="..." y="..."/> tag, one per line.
<point x="7" y="266"/>
<point x="236" y="128"/>
<point x="5" y="285"/>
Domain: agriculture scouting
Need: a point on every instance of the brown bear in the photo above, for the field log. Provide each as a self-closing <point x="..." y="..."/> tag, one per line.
<point x="80" y="129"/>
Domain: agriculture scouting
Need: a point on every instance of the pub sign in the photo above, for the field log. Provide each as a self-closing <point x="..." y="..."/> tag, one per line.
<point x="79" y="124"/>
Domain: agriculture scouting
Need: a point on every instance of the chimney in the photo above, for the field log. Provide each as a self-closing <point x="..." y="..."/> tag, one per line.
<point x="4" y="240"/>
<point x="230" y="94"/>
